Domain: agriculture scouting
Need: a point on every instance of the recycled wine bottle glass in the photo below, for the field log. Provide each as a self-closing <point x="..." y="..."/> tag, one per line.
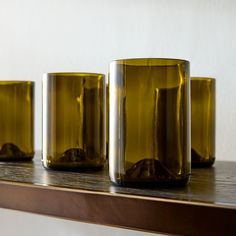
<point x="107" y="118"/>
<point x="74" y="121"/>
<point x="203" y="121"/>
<point x="16" y="120"/>
<point x="149" y="133"/>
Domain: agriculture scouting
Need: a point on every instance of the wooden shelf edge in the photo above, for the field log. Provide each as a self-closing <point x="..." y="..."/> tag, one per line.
<point x="136" y="213"/>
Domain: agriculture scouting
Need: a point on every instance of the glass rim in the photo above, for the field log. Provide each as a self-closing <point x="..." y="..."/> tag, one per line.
<point x="202" y="78"/>
<point x="74" y="74"/>
<point x="152" y="61"/>
<point x="4" y="82"/>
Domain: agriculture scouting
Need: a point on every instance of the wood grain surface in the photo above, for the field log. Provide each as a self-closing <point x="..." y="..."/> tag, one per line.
<point x="206" y="206"/>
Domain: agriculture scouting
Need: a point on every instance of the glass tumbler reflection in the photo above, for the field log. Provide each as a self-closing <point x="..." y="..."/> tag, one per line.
<point x="16" y="120"/>
<point x="203" y="121"/>
<point x="74" y="121"/>
<point x="149" y="133"/>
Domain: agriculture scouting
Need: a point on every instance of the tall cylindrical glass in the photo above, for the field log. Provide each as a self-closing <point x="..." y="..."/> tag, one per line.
<point x="149" y="134"/>
<point x="16" y="120"/>
<point x="74" y="121"/>
<point x="203" y="121"/>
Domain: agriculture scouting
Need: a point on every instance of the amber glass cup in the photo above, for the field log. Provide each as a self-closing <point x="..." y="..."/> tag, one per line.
<point x="74" y="121"/>
<point x="16" y="120"/>
<point x="149" y="133"/>
<point x="203" y="121"/>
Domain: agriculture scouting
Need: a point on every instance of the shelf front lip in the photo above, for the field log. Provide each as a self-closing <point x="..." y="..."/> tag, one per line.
<point x="144" y="213"/>
<point x="123" y="195"/>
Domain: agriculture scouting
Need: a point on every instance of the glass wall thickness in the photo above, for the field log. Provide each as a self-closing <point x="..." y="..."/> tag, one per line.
<point x="203" y="121"/>
<point x="73" y="121"/>
<point x="16" y="120"/>
<point x="149" y="133"/>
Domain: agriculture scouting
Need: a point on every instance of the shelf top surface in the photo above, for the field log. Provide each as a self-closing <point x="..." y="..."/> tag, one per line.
<point x="216" y="185"/>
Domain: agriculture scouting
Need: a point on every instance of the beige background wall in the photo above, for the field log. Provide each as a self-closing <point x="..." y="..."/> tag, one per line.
<point x="38" y="36"/>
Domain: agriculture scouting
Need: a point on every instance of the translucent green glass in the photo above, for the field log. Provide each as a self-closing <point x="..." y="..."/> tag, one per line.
<point x="74" y="121"/>
<point x="203" y="121"/>
<point x="107" y="119"/>
<point x="149" y="133"/>
<point x="16" y="120"/>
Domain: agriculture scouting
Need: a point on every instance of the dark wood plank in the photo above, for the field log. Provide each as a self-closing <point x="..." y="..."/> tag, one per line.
<point x="207" y="205"/>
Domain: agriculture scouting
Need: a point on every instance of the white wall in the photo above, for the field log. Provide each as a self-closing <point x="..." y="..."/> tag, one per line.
<point x="38" y="36"/>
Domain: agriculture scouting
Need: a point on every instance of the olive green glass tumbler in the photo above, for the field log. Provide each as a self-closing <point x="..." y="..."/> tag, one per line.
<point x="74" y="121"/>
<point x="16" y="120"/>
<point x="203" y="121"/>
<point x="149" y="122"/>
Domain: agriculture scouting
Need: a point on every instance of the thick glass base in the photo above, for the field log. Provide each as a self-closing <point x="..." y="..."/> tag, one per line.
<point x="148" y="173"/>
<point x="74" y="159"/>
<point x="203" y="164"/>
<point x="200" y="162"/>
<point x="152" y="183"/>
<point x="15" y="159"/>
<point x="11" y="152"/>
<point x="72" y="166"/>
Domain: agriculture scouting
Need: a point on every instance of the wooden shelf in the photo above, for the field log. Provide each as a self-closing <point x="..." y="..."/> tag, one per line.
<point x="206" y="206"/>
